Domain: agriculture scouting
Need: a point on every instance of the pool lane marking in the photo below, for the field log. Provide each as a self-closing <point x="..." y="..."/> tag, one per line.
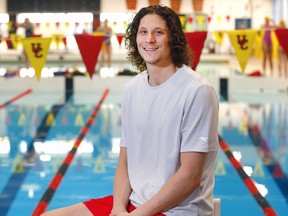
<point x="271" y="164"/>
<point x="249" y="183"/>
<point x="54" y="184"/>
<point x="16" y="179"/>
<point x="15" y="98"/>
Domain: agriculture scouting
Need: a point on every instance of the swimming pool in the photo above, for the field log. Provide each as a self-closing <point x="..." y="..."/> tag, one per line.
<point x="38" y="130"/>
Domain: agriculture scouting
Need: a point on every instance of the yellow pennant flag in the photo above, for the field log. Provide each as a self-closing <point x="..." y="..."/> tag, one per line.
<point x="50" y="119"/>
<point x="258" y="170"/>
<point x="242" y="42"/>
<point x="257" y="51"/>
<point x="15" y="40"/>
<point x="79" y="121"/>
<point x="99" y="166"/>
<point x="183" y="20"/>
<point x="219" y="35"/>
<point x="220" y="168"/>
<point x="58" y="39"/>
<point x="200" y="19"/>
<point x="37" y="49"/>
<point x="22" y="119"/>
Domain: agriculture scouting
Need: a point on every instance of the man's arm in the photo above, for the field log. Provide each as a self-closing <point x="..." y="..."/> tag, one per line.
<point x="122" y="188"/>
<point x="184" y="182"/>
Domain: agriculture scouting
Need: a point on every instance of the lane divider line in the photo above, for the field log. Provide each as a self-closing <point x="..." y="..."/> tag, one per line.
<point x="54" y="184"/>
<point x="15" y="98"/>
<point x="16" y="179"/>
<point x="262" y="202"/>
<point x="271" y="162"/>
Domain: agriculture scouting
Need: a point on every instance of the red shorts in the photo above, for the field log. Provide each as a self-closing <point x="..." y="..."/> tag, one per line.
<point x="103" y="206"/>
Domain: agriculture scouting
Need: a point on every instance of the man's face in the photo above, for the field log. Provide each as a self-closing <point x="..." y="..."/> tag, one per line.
<point x="153" y="40"/>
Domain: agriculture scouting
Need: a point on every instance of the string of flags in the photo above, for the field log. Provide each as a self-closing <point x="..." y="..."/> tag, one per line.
<point x="242" y="41"/>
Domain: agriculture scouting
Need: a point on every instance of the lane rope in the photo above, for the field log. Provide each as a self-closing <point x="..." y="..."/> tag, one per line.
<point x="54" y="184"/>
<point x="271" y="163"/>
<point x="249" y="183"/>
<point x="16" y="179"/>
<point x="15" y="98"/>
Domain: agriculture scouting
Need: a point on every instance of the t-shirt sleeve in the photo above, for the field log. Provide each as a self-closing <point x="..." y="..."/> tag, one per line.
<point x="200" y="121"/>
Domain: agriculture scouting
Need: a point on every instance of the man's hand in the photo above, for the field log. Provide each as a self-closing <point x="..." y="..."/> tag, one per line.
<point x="119" y="211"/>
<point x="120" y="214"/>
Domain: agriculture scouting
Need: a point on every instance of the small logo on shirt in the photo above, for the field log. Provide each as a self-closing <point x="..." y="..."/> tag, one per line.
<point x="203" y="138"/>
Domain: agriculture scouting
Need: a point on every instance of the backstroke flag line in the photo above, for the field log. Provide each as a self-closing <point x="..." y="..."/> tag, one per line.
<point x="242" y="41"/>
<point x="37" y="49"/>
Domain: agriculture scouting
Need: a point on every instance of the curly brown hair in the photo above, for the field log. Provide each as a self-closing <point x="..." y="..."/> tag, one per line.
<point x="180" y="50"/>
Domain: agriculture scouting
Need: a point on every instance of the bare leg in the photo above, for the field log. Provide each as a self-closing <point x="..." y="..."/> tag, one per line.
<point x="101" y="60"/>
<point x="280" y="62"/>
<point x="74" y="210"/>
<point x="264" y="48"/>
<point x="270" y="59"/>
<point x="109" y="58"/>
<point x="285" y="71"/>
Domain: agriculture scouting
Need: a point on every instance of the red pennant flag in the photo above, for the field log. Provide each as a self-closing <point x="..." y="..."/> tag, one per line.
<point x="8" y="42"/>
<point x="282" y="35"/>
<point x="65" y="41"/>
<point x="89" y="47"/>
<point x="8" y="120"/>
<point x="278" y="172"/>
<point x="120" y="38"/>
<point x="64" y="120"/>
<point x="196" y="42"/>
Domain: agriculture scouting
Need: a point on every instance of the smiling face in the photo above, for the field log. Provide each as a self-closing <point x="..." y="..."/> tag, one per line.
<point x="153" y="41"/>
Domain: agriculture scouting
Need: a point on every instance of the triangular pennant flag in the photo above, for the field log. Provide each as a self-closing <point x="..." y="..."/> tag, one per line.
<point x="50" y="119"/>
<point x="37" y="50"/>
<point x="89" y="47"/>
<point x="282" y="35"/>
<point x="278" y="172"/>
<point x="257" y="49"/>
<point x="242" y="41"/>
<point x="258" y="169"/>
<point x="8" y="42"/>
<point x="220" y="168"/>
<point x="8" y="119"/>
<point x="200" y="19"/>
<point x="183" y="20"/>
<point x="64" y="119"/>
<point x="58" y="38"/>
<point x="196" y="42"/>
<point x="38" y="165"/>
<point x="57" y="163"/>
<point x="15" y="40"/>
<point x="219" y="35"/>
<point x="120" y="38"/>
<point x="21" y="119"/>
<point x="99" y="165"/>
<point x="65" y="41"/>
<point x="230" y="125"/>
<point x="79" y="164"/>
<point x="17" y="166"/>
<point x="79" y="121"/>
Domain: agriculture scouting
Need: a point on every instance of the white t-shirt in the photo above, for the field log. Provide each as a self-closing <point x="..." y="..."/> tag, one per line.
<point x="158" y="123"/>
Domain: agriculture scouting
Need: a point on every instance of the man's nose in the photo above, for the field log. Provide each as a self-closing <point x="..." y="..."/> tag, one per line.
<point x="150" y="38"/>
